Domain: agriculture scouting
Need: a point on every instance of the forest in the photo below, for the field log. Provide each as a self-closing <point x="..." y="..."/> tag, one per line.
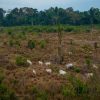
<point x="51" y="16"/>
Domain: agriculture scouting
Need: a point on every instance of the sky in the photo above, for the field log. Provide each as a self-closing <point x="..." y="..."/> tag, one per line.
<point x="81" y="5"/>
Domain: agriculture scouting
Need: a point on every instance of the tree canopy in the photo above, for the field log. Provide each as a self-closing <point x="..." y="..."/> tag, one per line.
<point x="30" y="16"/>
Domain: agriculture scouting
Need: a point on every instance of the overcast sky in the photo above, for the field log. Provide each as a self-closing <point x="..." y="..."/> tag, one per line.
<point x="45" y="4"/>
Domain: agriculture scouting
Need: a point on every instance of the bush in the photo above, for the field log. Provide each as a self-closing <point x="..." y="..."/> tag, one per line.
<point x="9" y="33"/>
<point x="21" y="36"/>
<point x="80" y="88"/>
<point x="42" y="43"/>
<point x="31" y="44"/>
<point x="68" y="90"/>
<point x="50" y="30"/>
<point x="69" y="29"/>
<point x="34" y="90"/>
<point x="76" y="69"/>
<point x="11" y="43"/>
<point x="1" y="78"/>
<point x="88" y="30"/>
<point x="6" y="94"/>
<point x="88" y="62"/>
<point x="23" y="33"/>
<point x="42" y="95"/>
<point x="17" y="43"/>
<point x="21" y="61"/>
<point x="14" y="81"/>
<point x="38" y="94"/>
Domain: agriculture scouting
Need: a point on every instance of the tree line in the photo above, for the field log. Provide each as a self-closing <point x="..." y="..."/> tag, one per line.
<point x="51" y="16"/>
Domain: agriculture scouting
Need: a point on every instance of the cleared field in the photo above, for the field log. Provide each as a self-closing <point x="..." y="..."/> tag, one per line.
<point x="80" y="48"/>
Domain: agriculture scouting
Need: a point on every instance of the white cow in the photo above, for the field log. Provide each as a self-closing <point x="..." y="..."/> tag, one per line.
<point x="88" y="75"/>
<point x="49" y="71"/>
<point x="29" y="62"/>
<point x="70" y="65"/>
<point x="70" y="53"/>
<point x="40" y="63"/>
<point x="94" y="66"/>
<point x="47" y="63"/>
<point x="34" y="72"/>
<point x="62" y="72"/>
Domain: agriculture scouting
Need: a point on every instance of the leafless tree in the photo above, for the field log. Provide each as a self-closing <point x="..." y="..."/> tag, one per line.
<point x="60" y="51"/>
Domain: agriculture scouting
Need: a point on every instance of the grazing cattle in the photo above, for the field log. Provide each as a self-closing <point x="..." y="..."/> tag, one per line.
<point x="88" y="75"/>
<point x="94" y="66"/>
<point x="48" y="70"/>
<point x="40" y="63"/>
<point x="70" y="53"/>
<point x="34" y="72"/>
<point x="69" y="65"/>
<point x="47" y="63"/>
<point x="62" y="72"/>
<point x="29" y="62"/>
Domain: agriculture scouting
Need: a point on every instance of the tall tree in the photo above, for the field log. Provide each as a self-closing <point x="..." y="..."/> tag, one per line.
<point x="2" y="12"/>
<point x="30" y="16"/>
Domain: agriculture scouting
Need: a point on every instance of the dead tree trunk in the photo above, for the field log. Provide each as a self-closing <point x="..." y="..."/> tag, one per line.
<point x="91" y="29"/>
<point x="60" y="51"/>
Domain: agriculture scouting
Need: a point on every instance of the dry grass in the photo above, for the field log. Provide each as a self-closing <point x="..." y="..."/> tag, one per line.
<point x="21" y="79"/>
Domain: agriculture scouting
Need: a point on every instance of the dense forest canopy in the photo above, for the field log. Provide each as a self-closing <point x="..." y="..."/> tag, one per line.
<point x="30" y="16"/>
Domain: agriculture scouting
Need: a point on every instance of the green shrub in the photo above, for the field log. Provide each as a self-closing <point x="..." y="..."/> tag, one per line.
<point x="88" y="30"/>
<point x="34" y="90"/>
<point x="9" y="33"/>
<point x="42" y="43"/>
<point x="23" y="33"/>
<point x="39" y="94"/>
<point x="3" y="89"/>
<point x="42" y="95"/>
<point x="17" y="43"/>
<point x="68" y="90"/>
<point x="22" y="36"/>
<point x="69" y="29"/>
<point x="14" y="81"/>
<point x="31" y="44"/>
<point x="1" y="78"/>
<point x="76" y="69"/>
<point x="80" y="88"/>
<point x="35" y="33"/>
<point x="49" y="30"/>
<point x="6" y="94"/>
<point x="21" y="61"/>
<point x="88" y="62"/>
<point x="11" y="43"/>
